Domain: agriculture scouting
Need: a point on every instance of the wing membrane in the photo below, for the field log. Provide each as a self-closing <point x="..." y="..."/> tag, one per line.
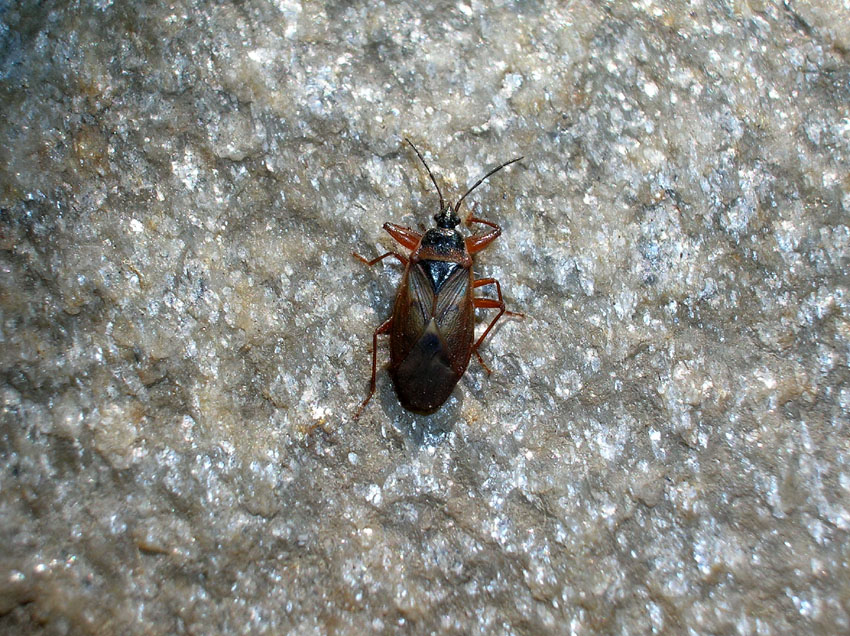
<point x="421" y="295"/>
<point x="455" y="318"/>
<point x="412" y="312"/>
<point x="451" y="295"/>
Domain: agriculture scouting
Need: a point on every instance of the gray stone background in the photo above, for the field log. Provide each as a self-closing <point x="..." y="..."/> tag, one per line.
<point x="663" y="443"/>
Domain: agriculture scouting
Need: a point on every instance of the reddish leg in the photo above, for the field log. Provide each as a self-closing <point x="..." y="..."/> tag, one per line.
<point x="379" y="258"/>
<point x="490" y="303"/>
<point x="384" y="328"/>
<point x="478" y="242"/>
<point x="404" y="235"/>
<point x="409" y="239"/>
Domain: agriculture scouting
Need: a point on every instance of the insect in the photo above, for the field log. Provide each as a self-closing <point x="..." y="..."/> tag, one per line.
<point x="432" y="326"/>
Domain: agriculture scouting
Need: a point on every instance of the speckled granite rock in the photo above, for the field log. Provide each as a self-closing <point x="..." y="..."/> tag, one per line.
<point x="663" y="443"/>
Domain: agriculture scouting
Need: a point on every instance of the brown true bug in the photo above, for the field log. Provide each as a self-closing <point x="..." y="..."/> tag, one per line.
<point x="432" y="327"/>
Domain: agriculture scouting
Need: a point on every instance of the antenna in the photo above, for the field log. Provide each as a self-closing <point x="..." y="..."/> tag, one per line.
<point x="433" y="180"/>
<point x="481" y="180"/>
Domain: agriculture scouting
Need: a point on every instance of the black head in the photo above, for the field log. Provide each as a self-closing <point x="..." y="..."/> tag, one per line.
<point x="447" y="218"/>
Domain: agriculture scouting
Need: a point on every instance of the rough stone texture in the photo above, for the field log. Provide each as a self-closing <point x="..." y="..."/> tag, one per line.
<point x="663" y="443"/>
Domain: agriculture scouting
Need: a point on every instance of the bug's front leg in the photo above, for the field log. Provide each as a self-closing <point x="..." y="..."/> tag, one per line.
<point x="407" y="237"/>
<point x="384" y="328"/>
<point x="490" y="303"/>
<point x="478" y="242"/>
<point x="363" y="259"/>
<point x="403" y="235"/>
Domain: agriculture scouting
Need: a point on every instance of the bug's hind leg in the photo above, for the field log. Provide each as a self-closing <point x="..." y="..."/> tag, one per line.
<point x="490" y="303"/>
<point x="384" y="328"/>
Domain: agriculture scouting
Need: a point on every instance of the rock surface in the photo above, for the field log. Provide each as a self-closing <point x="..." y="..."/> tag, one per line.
<point x="663" y="443"/>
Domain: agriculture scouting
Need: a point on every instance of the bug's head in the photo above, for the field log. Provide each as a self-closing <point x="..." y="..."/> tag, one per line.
<point x="447" y="218"/>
